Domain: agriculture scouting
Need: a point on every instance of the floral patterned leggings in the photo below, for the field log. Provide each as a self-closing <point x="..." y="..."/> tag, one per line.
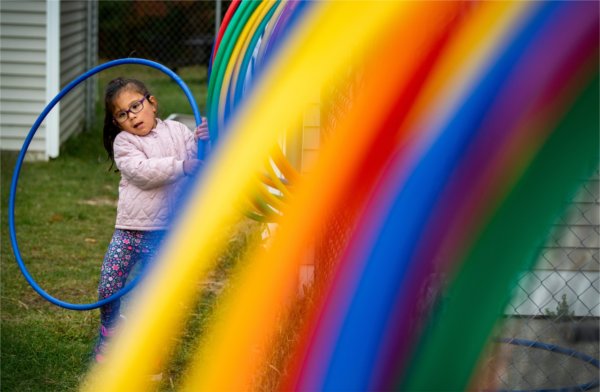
<point x="127" y="248"/>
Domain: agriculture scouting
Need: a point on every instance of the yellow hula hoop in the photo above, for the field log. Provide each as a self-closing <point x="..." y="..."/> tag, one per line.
<point x="267" y="196"/>
<point x="270" y="26"/>
<point x="253" y="25"/>
<point x="236" y="55"/>
<point x="286" y="168"/>
<point x="279" y="185"/>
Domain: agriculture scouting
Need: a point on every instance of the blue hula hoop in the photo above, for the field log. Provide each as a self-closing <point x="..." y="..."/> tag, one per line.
<point x="27" y="142"/>
<point x="560" y="350"/>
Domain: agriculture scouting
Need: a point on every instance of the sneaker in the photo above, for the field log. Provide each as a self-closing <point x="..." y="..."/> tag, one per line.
<point x="100" y="348"/>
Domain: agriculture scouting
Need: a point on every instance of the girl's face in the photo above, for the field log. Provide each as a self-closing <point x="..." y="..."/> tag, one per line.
<point x="126" y="103"/>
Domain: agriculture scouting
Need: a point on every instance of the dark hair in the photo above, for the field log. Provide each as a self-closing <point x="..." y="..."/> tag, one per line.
<point x="111" y="129"/>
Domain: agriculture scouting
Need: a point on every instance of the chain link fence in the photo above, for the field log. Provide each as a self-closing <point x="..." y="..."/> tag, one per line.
<point x="549" y="337"/>
<point x="173" y="33"/>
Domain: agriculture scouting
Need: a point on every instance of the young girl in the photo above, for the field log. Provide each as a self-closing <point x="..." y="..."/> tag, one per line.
<point x="153" y="157"/>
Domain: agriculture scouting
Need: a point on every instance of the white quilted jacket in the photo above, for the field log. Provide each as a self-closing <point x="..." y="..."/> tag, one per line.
<point x="152" y="175"/>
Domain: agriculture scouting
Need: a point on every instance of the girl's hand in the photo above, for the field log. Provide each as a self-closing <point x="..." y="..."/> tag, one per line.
<point x="201" y="132"/>
<point x="190" y="166"/>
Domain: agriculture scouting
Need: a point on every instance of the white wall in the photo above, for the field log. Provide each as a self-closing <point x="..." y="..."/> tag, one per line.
<point x="74" y="61"/>
<point x="44" y="45"/>
<point x="22" y="72"/>
<point x="569" y="263"/>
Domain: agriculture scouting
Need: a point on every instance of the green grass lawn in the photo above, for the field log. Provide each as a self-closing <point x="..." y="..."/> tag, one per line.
<point x="65" y="212"/>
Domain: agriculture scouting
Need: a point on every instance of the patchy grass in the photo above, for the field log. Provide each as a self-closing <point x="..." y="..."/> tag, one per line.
<point x="65" y="211"/>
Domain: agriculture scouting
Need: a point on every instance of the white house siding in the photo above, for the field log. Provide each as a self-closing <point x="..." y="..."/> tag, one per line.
<point x="75" y="46"/>
<point x="44" y="45"/>
<point x="22" y="72"/>
<point x="569" y="263"/>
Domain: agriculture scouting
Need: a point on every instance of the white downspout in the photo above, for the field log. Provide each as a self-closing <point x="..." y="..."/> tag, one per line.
<point x="52" y="76"/>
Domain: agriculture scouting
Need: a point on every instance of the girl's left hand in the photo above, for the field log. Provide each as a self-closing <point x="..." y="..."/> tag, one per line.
<point x="190" y="166"/>
<point x="201" y="132"/>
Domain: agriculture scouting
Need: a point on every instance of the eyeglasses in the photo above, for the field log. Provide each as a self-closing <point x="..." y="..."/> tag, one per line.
<point x="135" y="107"/>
